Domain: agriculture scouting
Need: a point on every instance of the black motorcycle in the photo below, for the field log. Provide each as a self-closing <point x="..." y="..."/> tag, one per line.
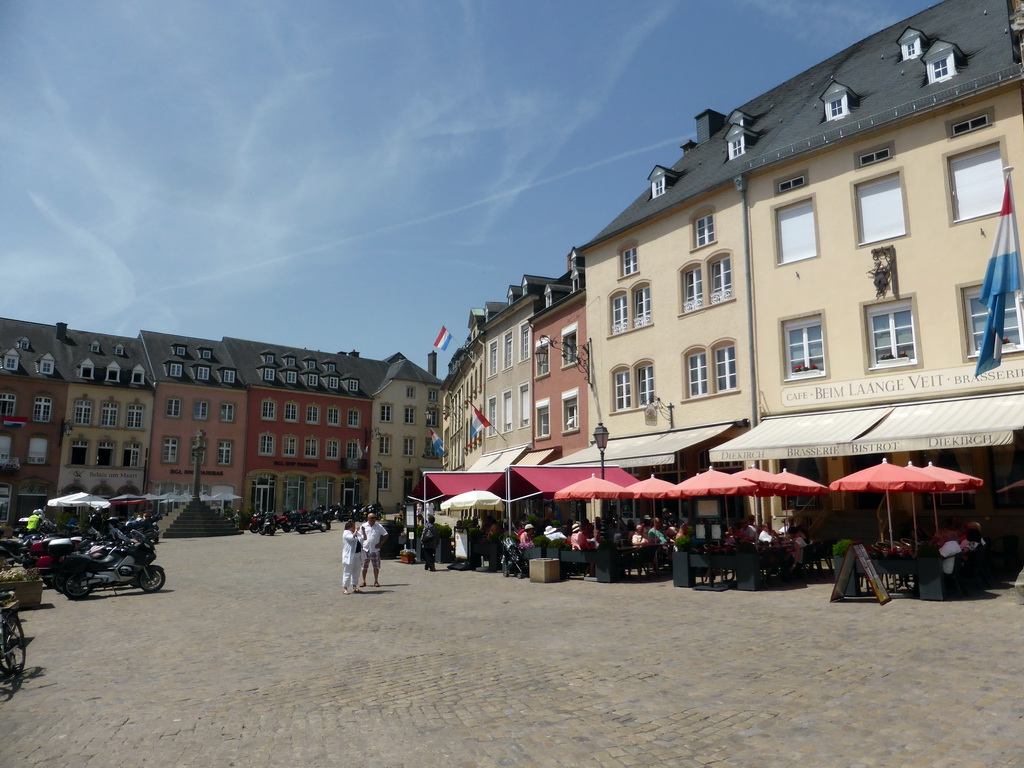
<point x="268" y="524"/>
<point x="128" y="564"/>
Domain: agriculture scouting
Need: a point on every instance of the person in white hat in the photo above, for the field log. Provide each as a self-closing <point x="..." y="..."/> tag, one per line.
<point x="526" y="536"/>
<point x="554" y="534"/>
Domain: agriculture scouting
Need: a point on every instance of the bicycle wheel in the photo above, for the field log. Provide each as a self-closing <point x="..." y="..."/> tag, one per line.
<point x="12" y="645"/>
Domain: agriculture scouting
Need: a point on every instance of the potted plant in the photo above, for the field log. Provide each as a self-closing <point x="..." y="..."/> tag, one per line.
<point x="445" y="553"/>
<point x="681" y="575"/>
<point x="407" y="556"/>
<point x="25" y="583"/>
<point x="539" y="548"/>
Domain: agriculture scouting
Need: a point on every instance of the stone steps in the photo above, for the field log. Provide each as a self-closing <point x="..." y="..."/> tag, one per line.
<point x="196" y="521"/>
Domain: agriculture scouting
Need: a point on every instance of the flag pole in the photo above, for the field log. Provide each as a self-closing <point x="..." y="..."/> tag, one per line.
<point x="1018" y="295"/>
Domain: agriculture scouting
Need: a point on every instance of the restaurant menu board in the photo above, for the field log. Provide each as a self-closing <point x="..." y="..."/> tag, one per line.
<point x="461" y="545"/>
<point x="858" y="554"/>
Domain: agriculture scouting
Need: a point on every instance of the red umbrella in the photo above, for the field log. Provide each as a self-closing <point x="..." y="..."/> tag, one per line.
<point x="886" y="477"/>
<point x="715" y="483"/>
<point x="761" y="479"/>
<point x="789" y="484"/>
<point x="651" y="488"/>
<point x="955" y="481"/>
<point x="593" y="488"/>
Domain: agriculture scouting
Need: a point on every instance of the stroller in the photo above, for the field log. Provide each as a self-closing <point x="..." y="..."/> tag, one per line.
<point x="513" y="559"/>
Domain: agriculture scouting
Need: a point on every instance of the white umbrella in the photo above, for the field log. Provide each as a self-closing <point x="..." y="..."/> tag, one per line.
<point x="80" y="499"/>
<point x="473" y="500"/>
<point x="226" y="496"/>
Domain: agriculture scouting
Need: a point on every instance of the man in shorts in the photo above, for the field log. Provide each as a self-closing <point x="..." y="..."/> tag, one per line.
<point x="373" y="535"/>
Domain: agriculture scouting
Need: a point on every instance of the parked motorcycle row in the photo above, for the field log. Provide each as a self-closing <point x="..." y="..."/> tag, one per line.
<point x="303" y="521"/>
<point x="112" y="554"/>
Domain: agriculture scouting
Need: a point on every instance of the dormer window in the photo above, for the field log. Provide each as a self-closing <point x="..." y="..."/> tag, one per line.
<point x="332" y="382"/>
<point x="86" y="369"/>
<point x="312" y="380"/>
<point x="113" y="372"/>
<point x="119" y="350"/>
<point x="268" y="357"/>
<point x="46" y="365"/>
<point x="11" y="361"/>
<point x="658" y="187"/>
<point x="839" y="100"/>
<point x="205" y="354"/>
<point x="737" y="146"/>
<point x="353" y="385"/>
<point x="289" y="360"/>
<point x="268" y="374"/>
<point x="179" y="349"/>
<point x="94" y="347"/>
<point x="202" y="373"/>
<point x="291" y="377"/>
<point x="575" y="280"/>
<point x="138" y="375"/>
<point x="330" y="367"/>
<point x="940" y="62"/>
<point x="912" y="44"/>
<point x="22" y="343"/>
<point x="227" y="376"/>
<point x="174" y="370"/>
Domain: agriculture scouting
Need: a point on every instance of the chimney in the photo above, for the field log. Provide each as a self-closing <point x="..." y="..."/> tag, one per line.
<point x="62" y="331"/>
<point x="353" y="353"/>
<point x="708" y="123"/>
<point x="688" y="146"/>
<point x="432" y="363"/>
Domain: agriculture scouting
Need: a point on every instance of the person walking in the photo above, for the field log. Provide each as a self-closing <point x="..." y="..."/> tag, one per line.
<point x="428" y="544"/>
<point x="372" y="535"/>
<point x="351" y="558"/>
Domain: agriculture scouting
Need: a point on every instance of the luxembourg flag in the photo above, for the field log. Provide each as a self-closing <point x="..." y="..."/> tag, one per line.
<point x="476" y="426"/>
<point x="436" y="442"/>
<point x="15" y="422"/>
<point x="1002" y="281"/>
<point x="443" y="339"/>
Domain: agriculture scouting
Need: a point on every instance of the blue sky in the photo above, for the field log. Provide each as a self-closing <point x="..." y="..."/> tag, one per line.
<point x="344" y="175"/>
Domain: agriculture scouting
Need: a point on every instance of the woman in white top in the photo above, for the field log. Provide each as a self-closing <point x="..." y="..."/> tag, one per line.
<point x="351" y="560"/>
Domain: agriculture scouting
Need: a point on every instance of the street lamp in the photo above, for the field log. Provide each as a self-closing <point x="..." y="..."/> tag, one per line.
<point x="377" y="467"/>
<point x="601" y="441"/>
<point x="578" y="356"/>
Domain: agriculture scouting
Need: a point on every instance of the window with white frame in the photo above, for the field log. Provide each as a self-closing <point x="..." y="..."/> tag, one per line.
<point x="169" y="452"/>
<point x="977" y="183"/>
<point x="543" y="358"/>
<point x="174" y="370"/>
<point x="385" y="414"/>
<point x="431" y="417"/>
<point x="837" y="106"/>
<point x="11" y="361"/>
<point x="80" y="451"/>
<point x="892" y="334"/>
<point x="42" y="409"/>
<point x="5" y="448"/>
<point x="941" y="66"/>
<point x="94" y="347"/>
<point x="641" y="306"/>
<point x="135" y="416"/>
<point x="725" y="369"/>
<point x="630" y="262"/>
<point x="289" y="446"/>
<point x="268" y="374"/>
<point x="875" y="156"/>
<point x="620" y="313"/>
<point x="131" y="455"/>
<point x="266" y="447"/>
<point x="291" y="377"/>
<point x="911" y="48"/>
<point x="569" y="350"/>
<point x="178" y="349"/>
<point x="408" y="446"/>
<point x="543" y="419"/>
<point x="693" y="289"/>
<point x="332" y="450"/>
<point x="697" y="373"/>
<point x="658" y="187"/>
<point x="977" y="314"/>
<point x="384" y="445"/>
<point x="525" y="339"/>
<point x="313" y="380"/>
<point x="570" y="413"/>
<point x="333" y="417"/>
<point x="795" y="230"/>
<point x="172" y="409"/>
<point x="268" y="410"/>
<point x="86" y="370"/>
<point x="227" y="412"/>
<point x="311" y="448"/>
<point x="290" y="412"/>
<point x="622" y="379"/>
<point x="353" y="385"/>
<point x="492" y="415"/>
<point x="805" y="348"/>
<point x="432" y="393"/>
<point x="971" y="124"/>
<point x="524" y="405"/>
<point x="37" y="447"/>
<point x="384" y="480"/>
<point x="353" y="417"/>
<point x="644" y="384"/>
<point x="737" y="146"/>
<point x="138" y="375"/>
<point x="228" y="376"/>
<point x="332" y="382"/>
<point x="108" y="414"/>
<point x="83" y="412"/>
<point x="201" y="410"/>
<point x="46" y="366"/>
<point x="224" y="452"/>
<point x="880" y="210"/>
<point x="507" y="411"/>
<point x="105" y="453"/>
<point x="312" y="414"/>
<point x="352" y="449"/>
<point x="721" y="279"/>
<point x="202" y="373"/>
<point x="704" y="230"/>
<point x="508" y="350"/>
<point x="410" y="392"/>
<point x="493" y="358"/>
<point x="409" y="415"/>
<point x="8" y="402"/>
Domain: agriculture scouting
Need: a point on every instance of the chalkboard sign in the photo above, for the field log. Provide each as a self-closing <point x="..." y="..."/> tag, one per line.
<point x="858" y="554"/>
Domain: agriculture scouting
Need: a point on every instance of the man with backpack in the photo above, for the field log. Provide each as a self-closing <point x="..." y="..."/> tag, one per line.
<point x="428" y="544"/>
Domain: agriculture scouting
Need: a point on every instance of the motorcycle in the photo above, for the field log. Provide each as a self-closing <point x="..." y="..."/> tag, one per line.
<point x="268" y="524"/>
<point x="311" y="521"/>
<point x="284" y="522"/>
<point x="128" y="564"/>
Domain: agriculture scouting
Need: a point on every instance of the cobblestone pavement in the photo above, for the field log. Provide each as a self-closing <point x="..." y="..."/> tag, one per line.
<point x="252" y="657"/>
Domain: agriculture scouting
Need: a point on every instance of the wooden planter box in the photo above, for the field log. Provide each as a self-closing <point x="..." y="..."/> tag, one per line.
<point x="29" y="594"/>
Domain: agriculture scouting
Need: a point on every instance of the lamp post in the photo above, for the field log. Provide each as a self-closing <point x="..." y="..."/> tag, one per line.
<point x="601" y="441"/>
<point x="377" y="467"/>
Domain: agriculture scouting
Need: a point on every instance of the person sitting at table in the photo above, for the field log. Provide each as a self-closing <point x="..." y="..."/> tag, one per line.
<point x="748" y="529"/>
<point x="654" y="533"/>
<point x="671" y="533"/>
<point x="798" y="540"/>
<point x="639" y="537"/>
<point x="582" y="536"/>
<point x="765" y="534"/>
<point x="553" y="533"/>
<point x="949" y="547"/>
<point x="526" y="536"/>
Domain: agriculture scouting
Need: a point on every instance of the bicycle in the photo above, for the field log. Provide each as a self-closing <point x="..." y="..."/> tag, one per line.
<point x="12" y="637"/>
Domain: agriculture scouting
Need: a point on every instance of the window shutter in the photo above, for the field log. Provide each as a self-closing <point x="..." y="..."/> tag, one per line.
<point x="796" y="233"/>
<point x="881" y="210"/>
<point x="978" y="183"/>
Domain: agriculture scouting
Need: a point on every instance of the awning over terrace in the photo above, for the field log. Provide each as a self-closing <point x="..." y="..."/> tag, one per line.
<point x="645" y="450"/>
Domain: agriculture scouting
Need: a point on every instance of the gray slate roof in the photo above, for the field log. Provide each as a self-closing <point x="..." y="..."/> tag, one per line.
<point x="789" y="119"/>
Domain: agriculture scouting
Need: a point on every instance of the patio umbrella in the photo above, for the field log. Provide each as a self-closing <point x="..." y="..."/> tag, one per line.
<point x="128" y="498"/>
<point x="80" y="499"/>
<point x="226" y="496"/>
<point x="886" y="477"/>
<point x="593" y="487"/>
<point x="760" y="478"/>
<point x="473" y="500"/>
<point x="715" y="483"/>
<point x="788" y="484"/>
<point x="651" y="488"/>
<point x="955" y="481"/>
